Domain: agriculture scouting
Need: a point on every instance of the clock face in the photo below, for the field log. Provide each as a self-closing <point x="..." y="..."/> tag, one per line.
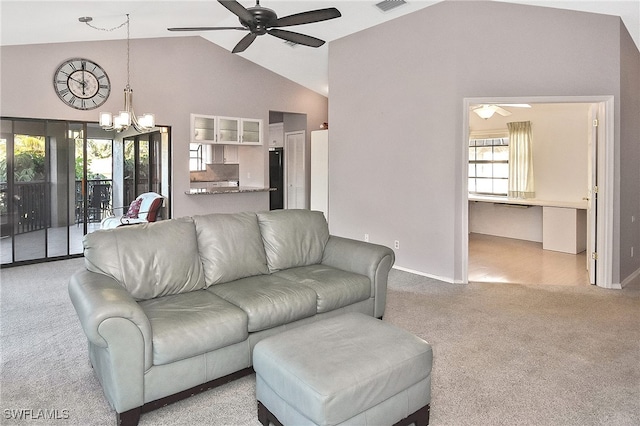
<point x="81" y="84"/>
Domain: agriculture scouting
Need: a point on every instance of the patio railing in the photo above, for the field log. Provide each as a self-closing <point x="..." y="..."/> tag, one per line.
<point x="31" y="200"/>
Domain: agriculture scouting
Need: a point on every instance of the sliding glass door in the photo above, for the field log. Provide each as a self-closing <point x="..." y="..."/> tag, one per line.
<point x="35" y="164"/>
<point x="59" y="179"/>
<point x="145" y="165"/>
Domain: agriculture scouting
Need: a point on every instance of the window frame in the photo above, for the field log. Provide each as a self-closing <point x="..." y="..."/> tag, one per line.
<point x="483" y="141"/>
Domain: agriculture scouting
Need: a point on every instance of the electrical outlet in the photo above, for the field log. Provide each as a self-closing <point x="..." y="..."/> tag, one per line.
<point x="366" y="237"/>
<point x="396" y="244"/>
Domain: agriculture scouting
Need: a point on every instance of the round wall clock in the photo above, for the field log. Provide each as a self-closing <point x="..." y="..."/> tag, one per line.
<point x="81" y="83"/>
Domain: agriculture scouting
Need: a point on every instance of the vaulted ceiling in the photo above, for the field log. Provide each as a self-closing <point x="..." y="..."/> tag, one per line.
<point x="35" y="22"/>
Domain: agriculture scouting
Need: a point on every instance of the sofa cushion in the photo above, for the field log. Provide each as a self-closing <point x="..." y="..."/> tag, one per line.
<point x="149" y="260"/>
<point x="268" y="301"/>
<point x="230" y="247"/>
<point x="293" y="237"/>
<point x="190" y="324"/>
<point x="334" y="288"/>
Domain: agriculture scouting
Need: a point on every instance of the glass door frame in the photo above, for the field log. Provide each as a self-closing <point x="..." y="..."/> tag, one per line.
<point x="65" y="157"/>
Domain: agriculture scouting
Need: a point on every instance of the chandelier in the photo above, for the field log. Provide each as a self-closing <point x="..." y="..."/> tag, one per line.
<point x="125" y="118"/>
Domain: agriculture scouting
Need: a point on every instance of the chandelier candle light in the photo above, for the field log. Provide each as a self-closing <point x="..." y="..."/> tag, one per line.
<point x="127" y="117"/>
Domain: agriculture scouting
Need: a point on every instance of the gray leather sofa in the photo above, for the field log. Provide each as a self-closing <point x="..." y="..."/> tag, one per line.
<point x="175" y="307"/>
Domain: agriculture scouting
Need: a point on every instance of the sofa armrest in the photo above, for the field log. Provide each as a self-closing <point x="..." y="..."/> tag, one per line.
<point x="97" y="298"/>
<point x="371" y="260"/>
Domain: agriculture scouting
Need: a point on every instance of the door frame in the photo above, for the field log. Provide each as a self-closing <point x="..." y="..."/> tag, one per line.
<point x="605" y="174"/>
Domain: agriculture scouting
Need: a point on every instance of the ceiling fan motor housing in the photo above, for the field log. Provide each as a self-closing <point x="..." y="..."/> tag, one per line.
<point x="263" y="18"/>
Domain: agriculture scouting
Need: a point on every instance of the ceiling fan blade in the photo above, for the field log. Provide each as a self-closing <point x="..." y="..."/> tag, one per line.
<point x="515" y="105"/>
<point x="244" y="43"/>
<point x="238" y="10"/>
<point x="206" y="28"/>
<point x="308" y="17"/>
<point x="503" y="112"/>
<point x="296" y="38"/>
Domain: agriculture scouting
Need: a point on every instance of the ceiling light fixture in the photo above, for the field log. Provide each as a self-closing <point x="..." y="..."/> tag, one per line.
<point x="126" y="117"/>
<point x="485" y="111"/>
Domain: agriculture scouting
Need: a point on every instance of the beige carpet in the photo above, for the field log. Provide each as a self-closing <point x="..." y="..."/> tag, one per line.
<point x="504" y="355"/>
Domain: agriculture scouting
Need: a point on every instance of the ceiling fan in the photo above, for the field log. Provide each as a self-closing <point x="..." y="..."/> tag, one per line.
<point x="487" y="111"/>
<point x="260" y="20"/>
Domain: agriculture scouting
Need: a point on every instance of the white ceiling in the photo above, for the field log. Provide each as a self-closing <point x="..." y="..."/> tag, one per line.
<point x="34" y="22"/>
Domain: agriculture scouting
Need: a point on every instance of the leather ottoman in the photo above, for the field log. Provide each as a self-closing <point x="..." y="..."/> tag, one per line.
<point x="349" y="369"/>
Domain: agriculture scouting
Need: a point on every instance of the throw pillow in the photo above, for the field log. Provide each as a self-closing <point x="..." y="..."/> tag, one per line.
<point x="134" y="209"/>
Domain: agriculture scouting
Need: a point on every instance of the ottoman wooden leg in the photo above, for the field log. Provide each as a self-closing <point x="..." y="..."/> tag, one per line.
<point x="419" y="418"/>
<point x="265" y="417"/>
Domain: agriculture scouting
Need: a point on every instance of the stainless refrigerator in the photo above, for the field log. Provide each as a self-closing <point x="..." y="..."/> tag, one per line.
<point x="276" y="178"/>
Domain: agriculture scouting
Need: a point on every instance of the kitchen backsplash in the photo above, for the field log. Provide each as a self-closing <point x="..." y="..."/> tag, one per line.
<point x="216" y="172"/>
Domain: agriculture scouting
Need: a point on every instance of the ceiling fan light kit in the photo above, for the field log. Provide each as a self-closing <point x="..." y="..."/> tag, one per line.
<point x="260" y="20"/>
<point x="487" y="111"/>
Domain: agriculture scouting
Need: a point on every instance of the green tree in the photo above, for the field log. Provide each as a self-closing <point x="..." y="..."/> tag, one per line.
<point x="29" y="158"/>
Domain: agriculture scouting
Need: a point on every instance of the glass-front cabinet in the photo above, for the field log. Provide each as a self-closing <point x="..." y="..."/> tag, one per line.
<point x="203" y="128"/>
<point x="225" y="130"/>
<point x="251" y="131"/>
<point x="228" y="130"/>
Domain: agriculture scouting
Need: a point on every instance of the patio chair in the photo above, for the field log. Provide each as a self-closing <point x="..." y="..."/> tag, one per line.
<point x="143" y="209"/>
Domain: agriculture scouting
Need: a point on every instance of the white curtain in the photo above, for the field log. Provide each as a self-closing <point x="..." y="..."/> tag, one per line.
<point x="521" y="183"/>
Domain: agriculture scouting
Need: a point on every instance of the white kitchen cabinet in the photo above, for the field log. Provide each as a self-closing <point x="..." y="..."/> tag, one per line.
<point x="228" y="130"/>
<point x="251" y="131"/>
<point x="225" y="154"/>
<point x="204" y="128"/>
<point x="213" y="129"/>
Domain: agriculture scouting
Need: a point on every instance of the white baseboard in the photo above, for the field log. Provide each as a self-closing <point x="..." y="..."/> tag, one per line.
<point x="423" y="274"/>
<point x="631" y="278"/>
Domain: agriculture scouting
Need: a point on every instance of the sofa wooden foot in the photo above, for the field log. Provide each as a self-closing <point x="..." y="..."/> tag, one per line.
<point x="130" y="417"/>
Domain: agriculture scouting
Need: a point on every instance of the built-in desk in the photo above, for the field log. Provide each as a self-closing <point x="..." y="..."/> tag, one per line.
<point x="559" y="225"/>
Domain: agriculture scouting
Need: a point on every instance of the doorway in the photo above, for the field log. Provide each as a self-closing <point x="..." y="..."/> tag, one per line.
<point x="288" y="160"/>
<point x="603" y="166"/>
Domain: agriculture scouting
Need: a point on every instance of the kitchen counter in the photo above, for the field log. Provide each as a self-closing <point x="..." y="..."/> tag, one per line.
<point x="226" y="190"/>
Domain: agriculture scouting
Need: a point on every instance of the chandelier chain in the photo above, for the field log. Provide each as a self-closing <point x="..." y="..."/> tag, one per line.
<point x="128" y="36"/>
<point x="127" y="117"/>
<point x="128" y="71"/>
<point x="108" y="29"/>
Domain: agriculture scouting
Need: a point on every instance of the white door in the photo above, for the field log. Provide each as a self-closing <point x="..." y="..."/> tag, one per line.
<point x="295" y="172"/>
<point x="592" y="195"/>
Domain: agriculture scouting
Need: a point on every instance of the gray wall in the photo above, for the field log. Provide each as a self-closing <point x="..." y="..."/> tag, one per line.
<point x="396" y="115"/>
<point x="629" y="156"/>
<point x="171" y="77"/>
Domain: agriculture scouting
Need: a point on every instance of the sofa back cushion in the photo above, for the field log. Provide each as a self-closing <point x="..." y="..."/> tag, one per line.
<point x="230" y="247"/>
<point x="293" y="237"/>
<point x="149" y="260"/>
